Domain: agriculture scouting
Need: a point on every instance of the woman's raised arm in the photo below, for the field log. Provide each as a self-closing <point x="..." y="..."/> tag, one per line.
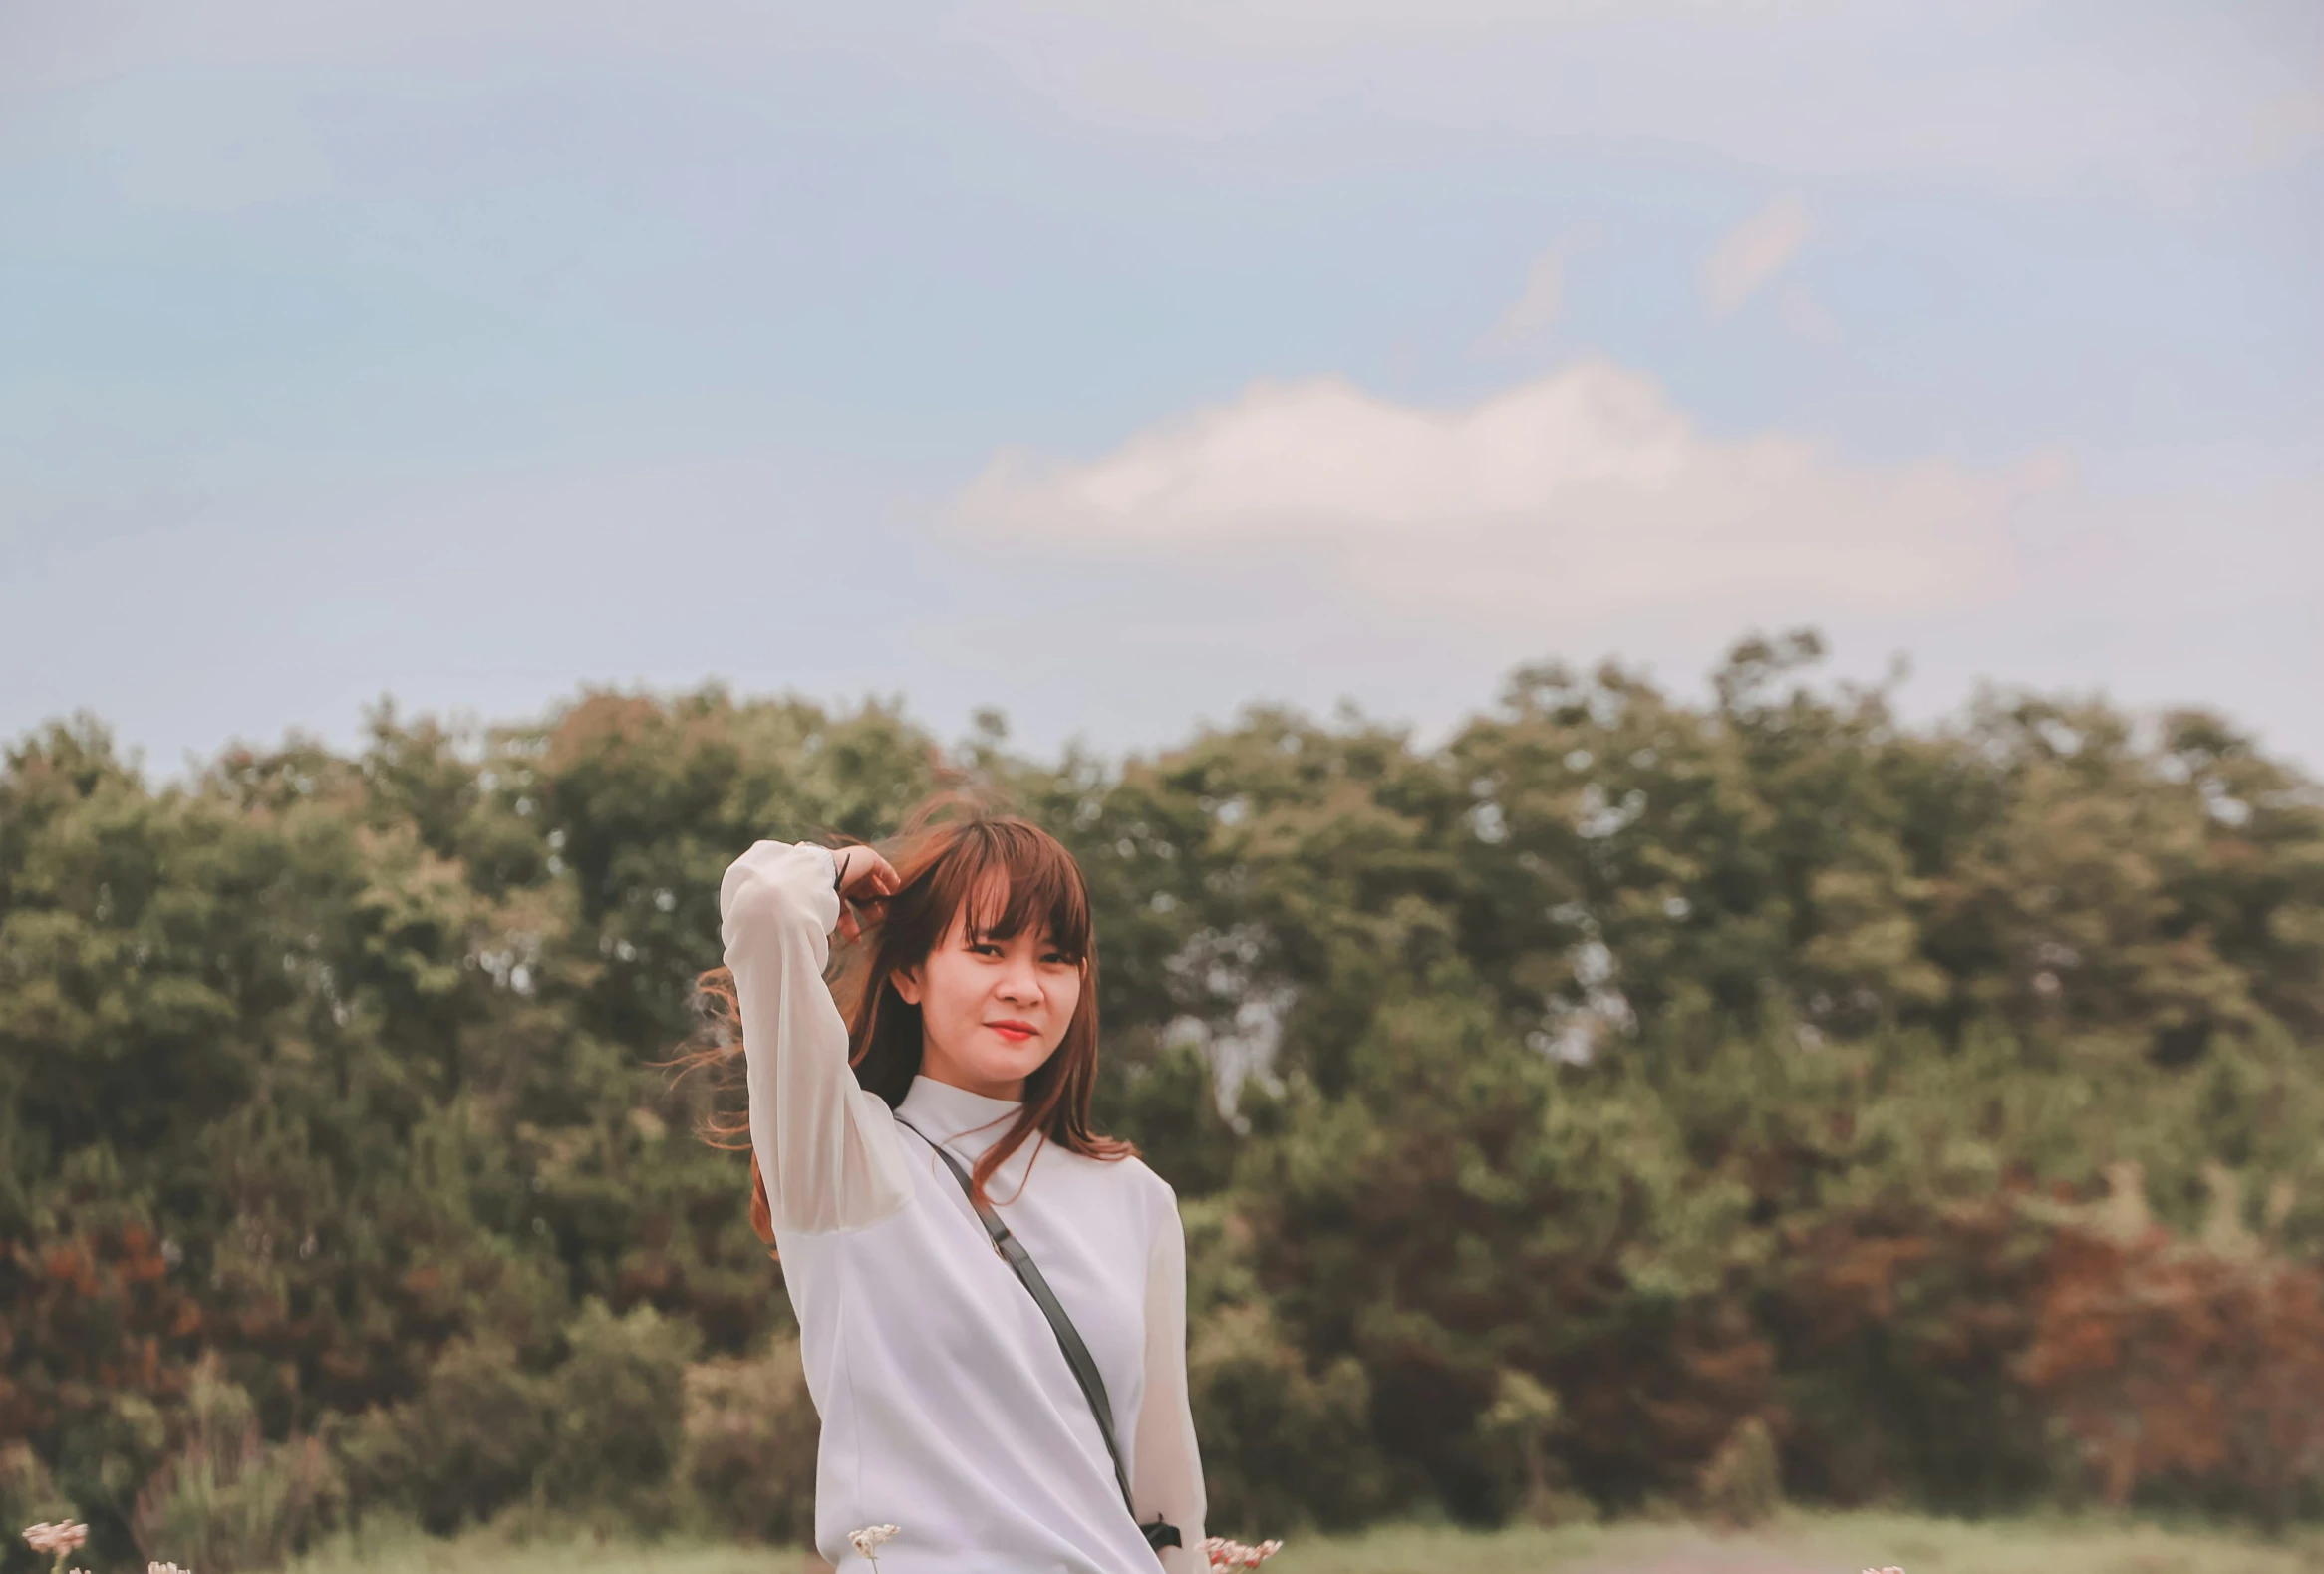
<point x="826" y="1149"/>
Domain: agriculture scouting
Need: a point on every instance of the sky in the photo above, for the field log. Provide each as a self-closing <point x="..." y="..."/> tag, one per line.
<point x="1122" y="366"/>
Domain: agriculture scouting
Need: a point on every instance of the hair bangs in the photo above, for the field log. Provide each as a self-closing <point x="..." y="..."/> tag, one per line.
<point x="1005" y="879"/>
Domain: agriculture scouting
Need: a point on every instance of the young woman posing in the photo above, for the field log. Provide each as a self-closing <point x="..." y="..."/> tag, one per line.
<point x="968" y="1019"/>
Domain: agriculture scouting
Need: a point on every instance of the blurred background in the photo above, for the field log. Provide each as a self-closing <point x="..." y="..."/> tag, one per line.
<point x="1679" y="640"/>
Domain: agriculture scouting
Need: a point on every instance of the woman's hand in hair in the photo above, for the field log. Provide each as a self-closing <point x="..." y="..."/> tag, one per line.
<point x="864" y="877"/>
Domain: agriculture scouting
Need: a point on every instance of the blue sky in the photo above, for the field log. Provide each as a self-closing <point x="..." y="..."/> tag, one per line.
<point x="1120" y="366"/>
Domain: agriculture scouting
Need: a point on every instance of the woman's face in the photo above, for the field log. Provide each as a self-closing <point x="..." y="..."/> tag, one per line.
<point x="991" y="1011"/>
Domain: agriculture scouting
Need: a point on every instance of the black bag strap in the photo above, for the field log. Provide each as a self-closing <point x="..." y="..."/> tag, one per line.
<point x="1011" y="1250"/>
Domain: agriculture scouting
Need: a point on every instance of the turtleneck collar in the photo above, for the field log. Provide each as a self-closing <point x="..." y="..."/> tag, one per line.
<point x="944" y="1112"/>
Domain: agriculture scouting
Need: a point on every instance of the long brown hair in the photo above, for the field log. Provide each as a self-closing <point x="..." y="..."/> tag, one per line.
<point x="952" y="854"/>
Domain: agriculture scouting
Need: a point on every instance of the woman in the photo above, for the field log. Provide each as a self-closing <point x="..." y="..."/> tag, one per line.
<point x="948" y="1406"/>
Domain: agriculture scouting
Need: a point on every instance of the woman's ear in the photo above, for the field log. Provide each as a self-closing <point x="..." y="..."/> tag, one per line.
<point x="907" y="982"/>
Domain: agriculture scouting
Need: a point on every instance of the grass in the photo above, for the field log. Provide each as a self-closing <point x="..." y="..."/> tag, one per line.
<point x="1795" y="1544"/>
<point x="1808" y="1544"/>
<point x="399" y="1551"/>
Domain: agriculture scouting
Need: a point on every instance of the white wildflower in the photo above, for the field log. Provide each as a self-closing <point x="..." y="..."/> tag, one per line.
<point x="56" y="1540"/>
<point x="1226" y="1555"/>
<point x="59" y="1538"/>
<point x="871" y="1538"/>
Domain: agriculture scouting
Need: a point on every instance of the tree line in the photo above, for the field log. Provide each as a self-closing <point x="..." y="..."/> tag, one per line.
<point x="1628" y="1103"/>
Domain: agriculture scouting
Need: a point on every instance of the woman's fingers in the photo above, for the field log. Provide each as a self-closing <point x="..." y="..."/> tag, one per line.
<point x="873" y="872"/>
<point x="863" y="874"/>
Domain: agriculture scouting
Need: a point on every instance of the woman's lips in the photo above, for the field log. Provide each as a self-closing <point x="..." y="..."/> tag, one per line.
<point x="1014" y="1032"/>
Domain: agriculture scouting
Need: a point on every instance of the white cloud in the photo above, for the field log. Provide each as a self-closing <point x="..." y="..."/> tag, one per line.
<point x="1585" y="496"/>
<point x="1542" y="300"/>
<point x="1753" y="253"/>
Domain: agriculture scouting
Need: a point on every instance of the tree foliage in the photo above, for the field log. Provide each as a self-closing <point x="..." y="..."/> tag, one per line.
<point x="1626" y="1100"/>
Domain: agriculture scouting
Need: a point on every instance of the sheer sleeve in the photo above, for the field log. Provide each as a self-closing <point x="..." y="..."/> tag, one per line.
<point x="826" y="1149"/>
<point x="1166" y="1473"/>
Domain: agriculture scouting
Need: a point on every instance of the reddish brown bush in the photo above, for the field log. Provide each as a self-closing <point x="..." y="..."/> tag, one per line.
<point x="88" y="1316"/>
<point x="2169" y="1362"/>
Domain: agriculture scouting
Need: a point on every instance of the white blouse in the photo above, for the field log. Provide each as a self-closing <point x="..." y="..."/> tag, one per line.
<point x="947" y="1407"/>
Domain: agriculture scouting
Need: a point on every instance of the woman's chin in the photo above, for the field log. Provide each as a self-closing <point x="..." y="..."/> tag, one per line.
<point x="1009" y="1062"/>
<point x="1017" y="1066"/>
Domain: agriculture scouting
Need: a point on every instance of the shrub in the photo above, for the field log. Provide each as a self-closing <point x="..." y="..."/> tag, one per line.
<point x="1281" y="1447"/>
<point x="228" y="1500"/>
<point x="1742" y="1483"/>
<point x="748" y="1464"/>
<point x="471" y="1442"/>
<point x="1517" y="1430"/>
<point x="618" y="1416"/>
<point x="1899" y="1324"/>
<point x="2176" y="1365"/>
<point x="28" y="1495"/>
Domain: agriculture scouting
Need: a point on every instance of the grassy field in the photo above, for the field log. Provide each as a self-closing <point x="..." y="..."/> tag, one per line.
<point x="1798" y="1544"/>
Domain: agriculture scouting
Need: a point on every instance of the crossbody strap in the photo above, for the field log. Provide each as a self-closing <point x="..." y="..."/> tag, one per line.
<point x="1012" y="1251"/>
